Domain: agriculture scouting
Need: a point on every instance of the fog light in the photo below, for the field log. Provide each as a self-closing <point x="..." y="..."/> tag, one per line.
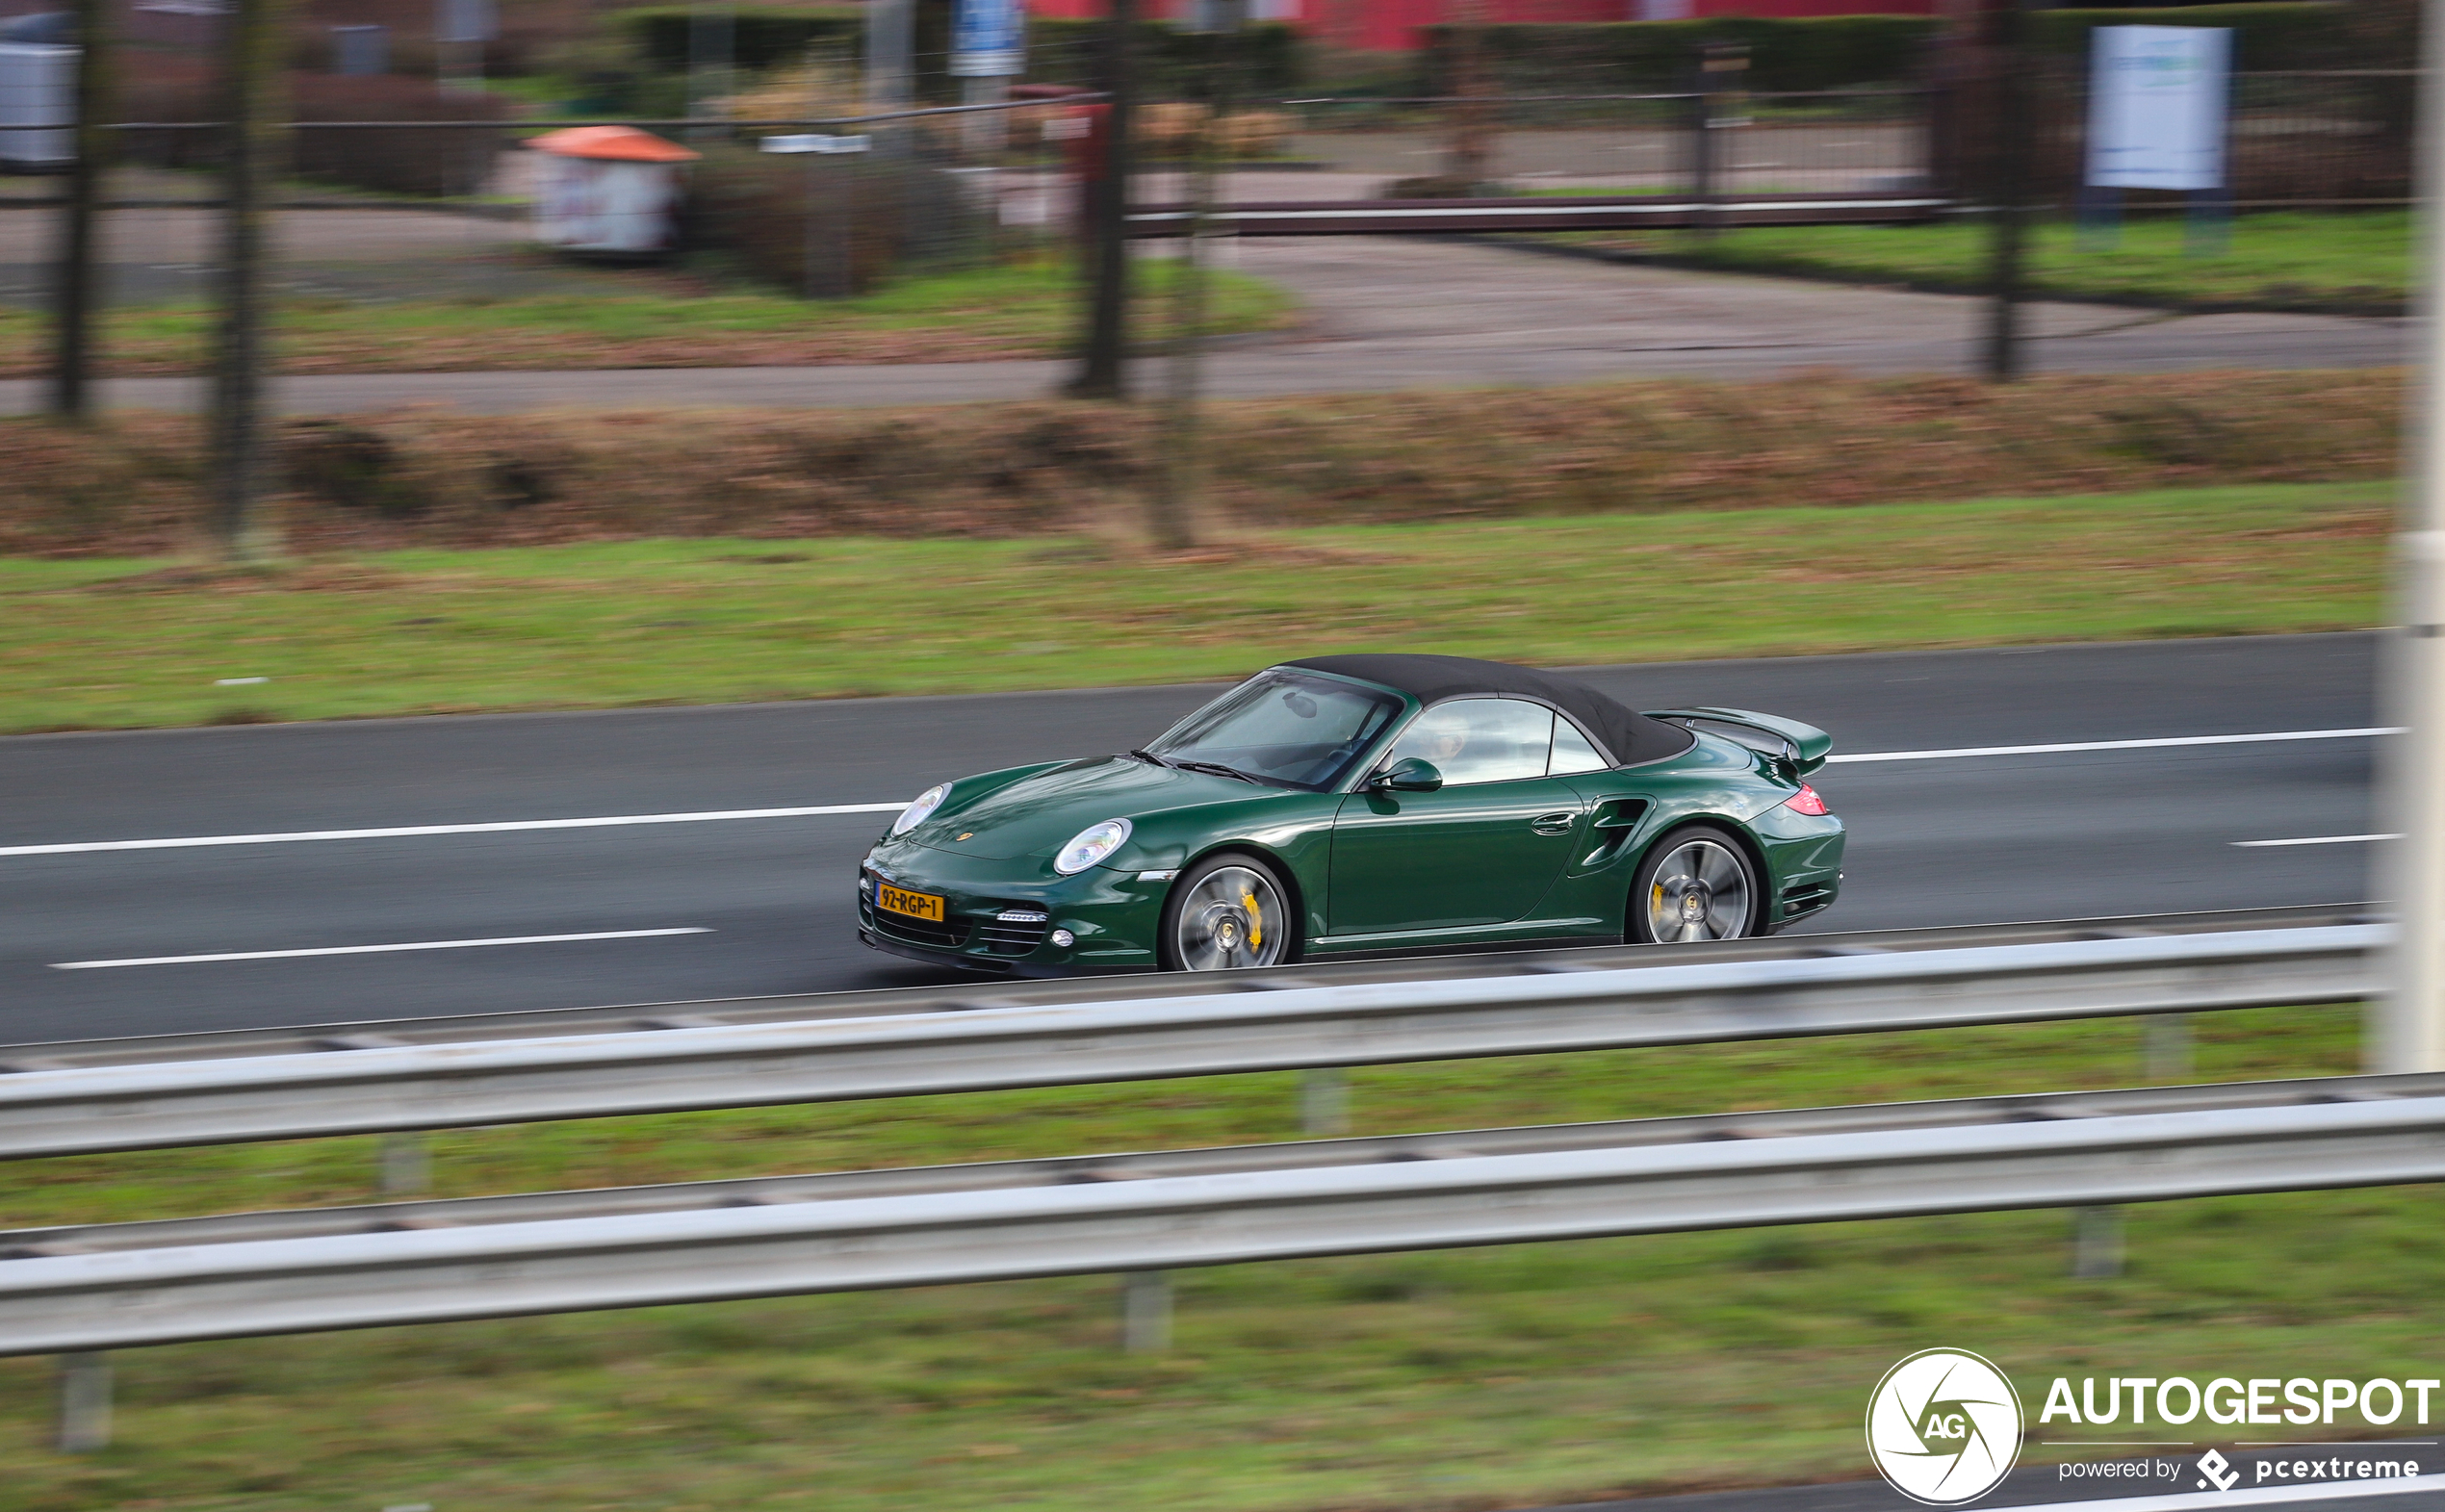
<point x="1064" y="939"/>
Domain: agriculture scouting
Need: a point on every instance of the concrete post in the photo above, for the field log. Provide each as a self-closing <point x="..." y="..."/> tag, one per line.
<point x="1145" y="1312"/>
<point x="2096" y="1242"/>
<point x="2164" y="1048"/>
<point x="85" y="1403"/>
<point x="986" y="134"/>
<point x="1324" y="1101"/>
<point x="406" y="1163"/>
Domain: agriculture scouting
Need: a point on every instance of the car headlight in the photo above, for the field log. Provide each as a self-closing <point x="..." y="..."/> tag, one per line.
<point x="919" y="811"/>
<point x="1090" y="845"/>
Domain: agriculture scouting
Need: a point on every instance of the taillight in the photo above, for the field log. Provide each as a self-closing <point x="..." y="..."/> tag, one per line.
<point x="1806" y="801"/>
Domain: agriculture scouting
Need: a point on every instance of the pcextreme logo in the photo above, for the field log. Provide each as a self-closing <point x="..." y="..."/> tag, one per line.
<point x="1944" y="1428"/>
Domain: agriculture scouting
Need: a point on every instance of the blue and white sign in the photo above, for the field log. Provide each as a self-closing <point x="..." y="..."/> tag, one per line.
<point x="2156" y="106"/>
<point x="989" y="38"/>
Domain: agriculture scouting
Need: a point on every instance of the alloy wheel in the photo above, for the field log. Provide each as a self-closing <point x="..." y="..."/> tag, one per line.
<point x="1232" y="916"/>
<point x="1700" y="891"/>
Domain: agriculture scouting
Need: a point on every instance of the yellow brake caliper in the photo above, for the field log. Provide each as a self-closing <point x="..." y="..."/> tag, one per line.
<point x="1255" y="921"/>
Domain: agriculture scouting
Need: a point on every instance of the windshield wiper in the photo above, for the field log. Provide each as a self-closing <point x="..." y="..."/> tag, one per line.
<point x="1148" y="756"/>
<point x="1218" y="769"/>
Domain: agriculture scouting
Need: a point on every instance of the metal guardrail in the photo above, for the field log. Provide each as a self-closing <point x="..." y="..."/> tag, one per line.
<point x="690" y="1197"/>
<point x="1739" y="1171"/>
<point x="1014" y="992"/>
<point x="1576" y="1006"/>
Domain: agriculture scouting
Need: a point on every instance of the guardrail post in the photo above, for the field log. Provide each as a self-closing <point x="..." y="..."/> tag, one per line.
<point x="1145" y="1312"/>
<point x="1324" y="1101"/>
<point x="2096" y="1242"/>
<point x="85" y="1403"/>
<point x="407" y="1165"/>
<point x="2165" y="1047"/>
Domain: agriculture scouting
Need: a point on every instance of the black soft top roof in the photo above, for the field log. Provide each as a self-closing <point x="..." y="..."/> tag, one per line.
<point x="1626" y="737"/>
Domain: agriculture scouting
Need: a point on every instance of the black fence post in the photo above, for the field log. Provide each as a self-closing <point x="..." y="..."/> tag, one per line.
<point x="254" y="35"/>
<point x="1102" y="373"/>
<point x="2010" y="210"/>
<point x="76" y="292"/>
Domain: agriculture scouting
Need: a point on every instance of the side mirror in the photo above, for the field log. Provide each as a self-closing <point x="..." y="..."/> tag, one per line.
<point x="1409" y="775"/>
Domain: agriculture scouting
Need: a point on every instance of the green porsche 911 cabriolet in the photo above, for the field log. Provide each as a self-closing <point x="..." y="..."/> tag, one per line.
<point x="1365" y="803"/>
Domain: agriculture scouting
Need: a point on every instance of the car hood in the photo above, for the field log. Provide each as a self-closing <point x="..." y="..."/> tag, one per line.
<point x="1040" y="813"/>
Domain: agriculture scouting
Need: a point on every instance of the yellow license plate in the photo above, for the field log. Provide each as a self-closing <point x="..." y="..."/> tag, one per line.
<point x="915" y="905"/>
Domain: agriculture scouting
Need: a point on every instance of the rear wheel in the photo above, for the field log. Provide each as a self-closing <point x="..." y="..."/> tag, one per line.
<point x="1697" y="884"/>
<point x="1227" y="911"/>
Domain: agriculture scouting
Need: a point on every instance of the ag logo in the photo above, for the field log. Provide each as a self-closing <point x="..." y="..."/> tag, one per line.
<point x="1944" y="1428"/>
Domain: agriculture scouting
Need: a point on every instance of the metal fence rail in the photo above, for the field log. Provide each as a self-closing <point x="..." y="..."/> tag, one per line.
<point x="1574" y="212"/>
<point x="391" y="1086"/>
<point x="1932" y="1118"/>
<point x="2384" y="1131"/>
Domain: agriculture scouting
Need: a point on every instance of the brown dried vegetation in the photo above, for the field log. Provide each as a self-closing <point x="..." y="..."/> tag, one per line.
<point x="437" y="477"/>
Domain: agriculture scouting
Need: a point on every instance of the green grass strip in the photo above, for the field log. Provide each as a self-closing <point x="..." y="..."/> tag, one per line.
<point x="99" y="644"/>
<point x="2289" y="260"/>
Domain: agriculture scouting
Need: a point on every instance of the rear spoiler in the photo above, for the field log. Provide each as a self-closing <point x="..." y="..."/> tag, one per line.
<point x="1804" y="746"/>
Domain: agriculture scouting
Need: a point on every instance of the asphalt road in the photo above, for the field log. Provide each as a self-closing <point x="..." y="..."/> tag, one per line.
<point x="1960" y="839"/>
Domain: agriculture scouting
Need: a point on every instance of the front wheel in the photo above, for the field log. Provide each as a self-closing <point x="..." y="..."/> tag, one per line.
<point x="1225" y="913"/>
<point x="1697" y="884"/>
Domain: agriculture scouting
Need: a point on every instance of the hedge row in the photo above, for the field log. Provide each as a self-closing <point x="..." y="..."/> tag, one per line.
<point x="1828" y="52"/>
<point x="2266" y="34"/>
<point x="761" y="36"/>
<point x="1836" y="52"/>
<point x="139" y="485"/>
<point x="1173" y="63"/>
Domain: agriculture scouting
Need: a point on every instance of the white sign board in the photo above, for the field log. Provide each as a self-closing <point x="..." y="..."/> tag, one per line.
<point x="2156" y="106"/>
<point x="989" y="38"/>
<point x="814" y="141"/>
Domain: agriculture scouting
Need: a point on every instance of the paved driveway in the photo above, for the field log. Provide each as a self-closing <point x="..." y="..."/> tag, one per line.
<point x="1391" y="314"/>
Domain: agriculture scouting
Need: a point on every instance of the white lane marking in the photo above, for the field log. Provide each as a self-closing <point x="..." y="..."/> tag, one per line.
<point x="374" y="950"/>
<point x="181" y="842"/>
<point x="2319" y="839"/>
<point x="2252" y="1496"/>
<point x="2117" y="745"/>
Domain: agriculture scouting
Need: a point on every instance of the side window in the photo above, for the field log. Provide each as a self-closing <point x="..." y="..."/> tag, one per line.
<point x="1480" y="740"/>
<point x="1572" y="752"/>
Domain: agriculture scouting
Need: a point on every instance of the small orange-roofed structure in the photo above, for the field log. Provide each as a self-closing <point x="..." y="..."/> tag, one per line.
<point x="608" y="189"/>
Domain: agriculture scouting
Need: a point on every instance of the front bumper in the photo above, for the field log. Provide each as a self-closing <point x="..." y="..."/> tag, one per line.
<point x="1001" y="917"/>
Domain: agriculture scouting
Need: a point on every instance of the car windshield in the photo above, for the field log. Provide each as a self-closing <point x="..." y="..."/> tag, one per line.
<point x="1282" y="729"/>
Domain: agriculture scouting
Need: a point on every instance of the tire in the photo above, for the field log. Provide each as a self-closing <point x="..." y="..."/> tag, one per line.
<point x="1226" y="913"/>
<point x="1696" y="884"/>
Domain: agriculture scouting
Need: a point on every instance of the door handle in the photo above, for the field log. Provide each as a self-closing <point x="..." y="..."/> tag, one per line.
<point x="1553" y="823"/>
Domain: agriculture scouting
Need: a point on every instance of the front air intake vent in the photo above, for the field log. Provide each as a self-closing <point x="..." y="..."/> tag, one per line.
<point x="1013" y="931"/>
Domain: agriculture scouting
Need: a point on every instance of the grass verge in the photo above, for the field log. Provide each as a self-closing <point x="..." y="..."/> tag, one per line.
<point x="1449" y="1381"/>
<point x="115" y="643"/>
<point x="2357" y="263"/>
<point x="1019" y="310"/>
